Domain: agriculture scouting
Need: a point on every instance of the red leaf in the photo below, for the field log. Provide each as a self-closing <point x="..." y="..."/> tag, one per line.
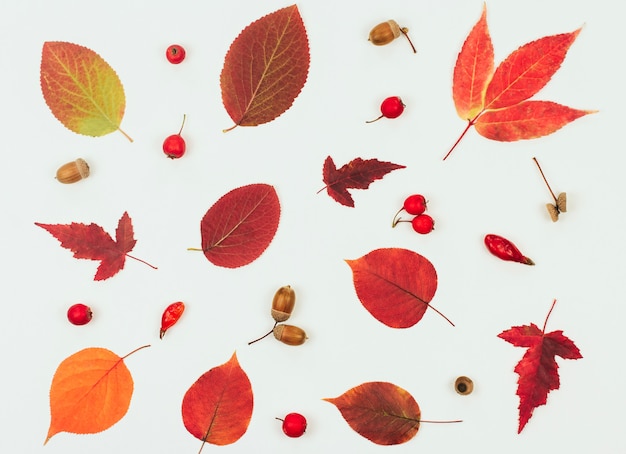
<point x="527" y="120"/>
<point x="217" y="408"/>
<point x="379" y="411"/>
<point x="265" y="68"/>
<point x="473" y="70"/>
<point x="395" y="285"/>
<point x="527" y="70"/>
<point x="93" y="243"/>
<point x="238" y="228"/>
<point x="538" y="370"/>
<point x="357" y="174"/>
<point x="495" y="103"/>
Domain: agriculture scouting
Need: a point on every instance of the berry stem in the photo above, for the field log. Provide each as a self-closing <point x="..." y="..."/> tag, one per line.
<point x="396" y="219"/>
<point x="183" y="124"/>
<point x="545" y="180"/>
<point x="405" y="32"/>
<point x="142" y="261"/>
<point x="263" y="336"/>
<point x="548" y="316"/>
<point x="135" y="350"/>
<point x="375" y="119"/>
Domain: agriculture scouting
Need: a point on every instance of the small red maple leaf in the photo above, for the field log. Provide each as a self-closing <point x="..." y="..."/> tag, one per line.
<point x="93" y="243"/>
<point x="357" y="174"/>
<point x="538" y="370"/>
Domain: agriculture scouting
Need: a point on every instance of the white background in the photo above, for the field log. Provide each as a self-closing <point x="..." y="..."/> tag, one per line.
<point x="484" y="187"/>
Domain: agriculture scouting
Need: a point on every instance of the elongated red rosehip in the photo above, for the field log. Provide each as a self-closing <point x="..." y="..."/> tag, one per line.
<point x="505" y="249"/>
<point x="170" y="316"/>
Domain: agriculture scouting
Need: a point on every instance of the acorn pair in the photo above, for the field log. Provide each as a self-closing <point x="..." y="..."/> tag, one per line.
<point x="282" y="305"/>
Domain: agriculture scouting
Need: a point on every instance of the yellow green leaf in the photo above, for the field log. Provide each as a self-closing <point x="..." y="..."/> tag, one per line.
<point x="81" y="89"/>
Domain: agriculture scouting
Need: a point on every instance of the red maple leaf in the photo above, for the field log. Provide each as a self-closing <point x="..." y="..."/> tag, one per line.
<point x="357" y="174"/>
<point x="93" y="243"/>
<point x="538" y="370"/>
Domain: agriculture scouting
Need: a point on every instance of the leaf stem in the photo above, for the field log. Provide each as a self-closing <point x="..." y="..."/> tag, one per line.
<point x="231" y="128"/>
<point x="547" y="316"/>
<point x="142" y="261"/>
<point x="545" y="180"/>
<point x="469" y="125"/>
<point x="263" y="336"/>
<point x="440" y="422"/>
<point x="125" y="135"/>
<point x="136" y="350"/>
<point x="446" y="318"/>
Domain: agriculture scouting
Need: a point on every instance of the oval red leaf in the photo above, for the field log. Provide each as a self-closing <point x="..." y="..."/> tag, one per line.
<point x="265" y="68"/>
<point x="238" y="228"/>
<point x="395" y="285"/>
<point x="218" y="407"/>
<point x="379" y="411"/>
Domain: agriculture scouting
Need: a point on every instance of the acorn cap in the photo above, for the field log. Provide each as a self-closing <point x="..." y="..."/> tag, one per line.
<point x="464" y="385"/>
<point x="554" y="212"/>
<point x="562" y="202"/>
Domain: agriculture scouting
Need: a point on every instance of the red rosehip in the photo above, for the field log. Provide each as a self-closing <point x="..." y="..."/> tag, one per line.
<point x="175" y="54"/>
<point x="294" y="425"/>
<point x="79" y="314"/>
<point x="391" y="107"/>
<point x="423" y="224"/>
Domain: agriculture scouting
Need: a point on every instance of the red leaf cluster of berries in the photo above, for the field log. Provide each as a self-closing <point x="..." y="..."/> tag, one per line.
<point x="416" y="205"/>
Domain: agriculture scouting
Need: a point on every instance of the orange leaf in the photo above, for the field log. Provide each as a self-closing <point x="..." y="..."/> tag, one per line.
<point x="90" y="391"/>
<point x="379" y="411"/>
<point x="395" y="285"/>
<point x="527" y="70"/>
<point x="265" y="68"/>
<point x="81" y="89"/>
<point x="527" y="120"/>
<point x="473" y="70"/>
<point x="217" y="408"/>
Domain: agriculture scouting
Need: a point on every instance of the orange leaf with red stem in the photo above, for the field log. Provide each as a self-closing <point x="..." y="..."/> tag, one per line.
<point x="538" y="370"/>
<point x="500" y="97"/>
<point x="91" y="391"/>
<point x="265" y="68"/>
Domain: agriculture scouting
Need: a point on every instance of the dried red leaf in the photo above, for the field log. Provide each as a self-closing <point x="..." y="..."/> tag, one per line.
<point x="493" y="101"/>
<point x="357" y="174"/>
<point x="93" y="243"/>
<point x="382" y="412"/>
<point x="527" y="120"/>
<point x="217" y="408"/>
<point x="265" y="68"/>
<point x="395" y="285"/>
<point x="238" y="228"/>
<point x="538" y="370"/>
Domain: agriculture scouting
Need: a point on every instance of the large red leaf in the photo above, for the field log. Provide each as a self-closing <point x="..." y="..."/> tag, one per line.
<point x="217" y="408"/>
<point x="93" y="243"/>
<point x="238" y="228"/>
<point x="395" y="285"/>
<point x="493" y="101"/>
<point x="527" y="120"/>
<point x="382" y="412"/>
<point x="357" y="174"/>
<point x="265" y="68"/>
<point x="473" y="70"/>
<point x="538" y="370"/>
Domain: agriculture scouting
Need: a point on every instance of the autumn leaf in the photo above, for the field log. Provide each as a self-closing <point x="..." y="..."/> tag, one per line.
<point x="90" y="392"/>
<point x="357" y="174"/>
<point x="81" y="89"/>
<point x="496" y="101"/>
<point x="538" y="370"/>
<point x="265" y="68"/>
<point x="217" y="408"/>
<point x="395" y="285"/>
<point x="238" y="228"/>
<point x="93" y="243"/>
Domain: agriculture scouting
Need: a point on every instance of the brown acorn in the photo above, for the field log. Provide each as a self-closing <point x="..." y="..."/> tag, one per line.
<point x="385" y="32"/>
<point x="283" y="303"/>
<point x="73" y="171"/>
<point x="464" y="385"/>
<point x="289" y="334"/>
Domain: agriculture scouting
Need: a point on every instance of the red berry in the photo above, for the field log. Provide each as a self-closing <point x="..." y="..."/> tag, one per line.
<point x="391" y="107"/>
<point x="79" y="314"/>
<point x="294" y="425"/>
<point x="505" y="249"/>
<point x="175" y="54"/>
<point x="174" y="146"/>
<point x="423" y="224"/>
<point x="170" y="316"/>
<point x="415" y="204"/>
